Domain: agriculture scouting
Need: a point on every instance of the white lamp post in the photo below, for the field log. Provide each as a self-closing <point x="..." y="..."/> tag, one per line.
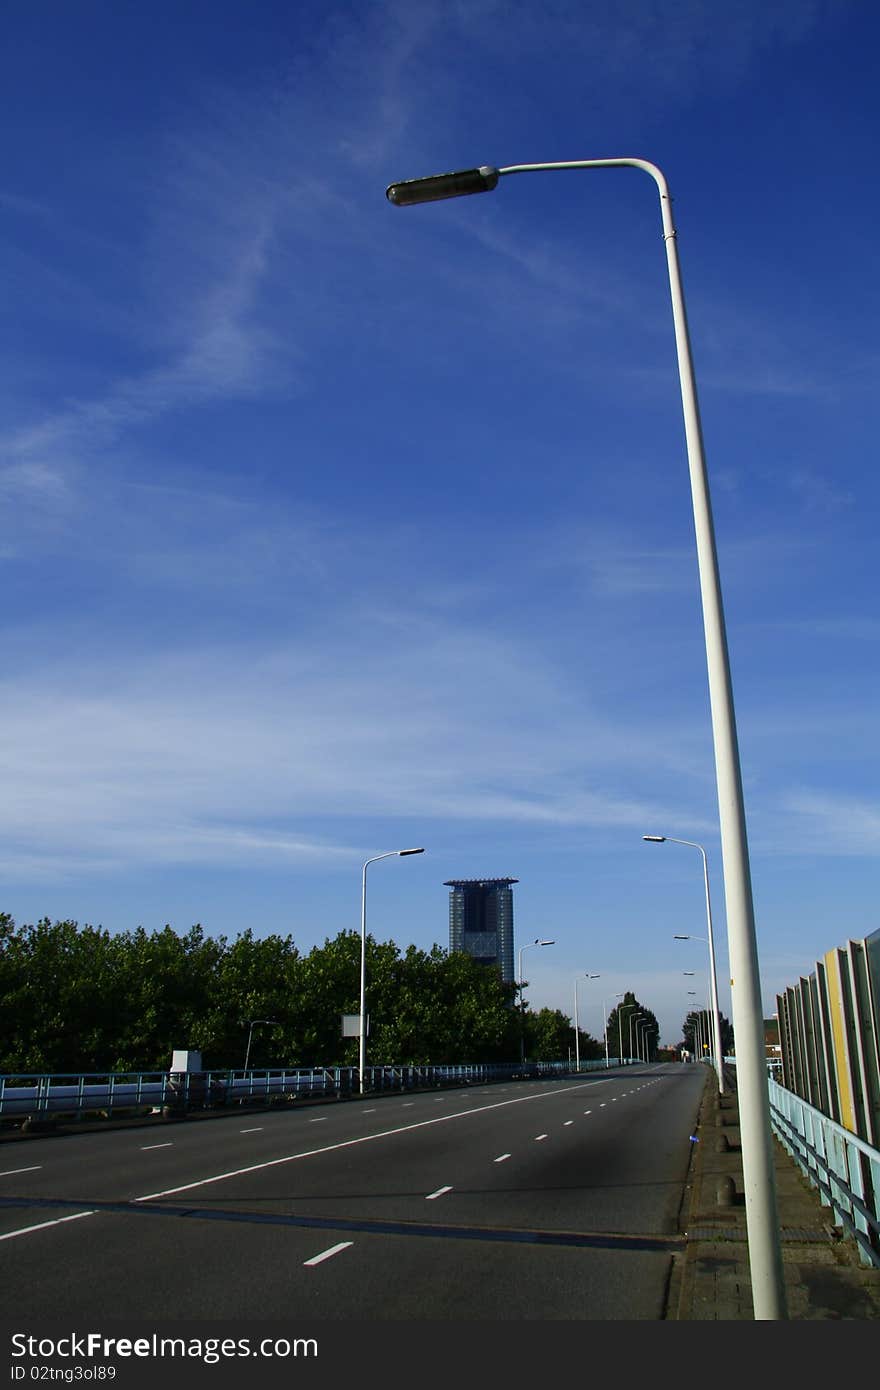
<point x="633" y="1018"/>
<point x="253" y="1023"/>
<point x="522" y="1004"/>
<point x="765" y="1250"/>
<point x="577" y="1036"/>
<point x="716" y="1018"/>
<point x="362" y="1023"/>
<point x="605" y="1026"/>
<point x="620" y="1008"/>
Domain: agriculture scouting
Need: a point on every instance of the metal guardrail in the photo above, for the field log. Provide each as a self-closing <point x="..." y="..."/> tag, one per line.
<point x="844" y="1168"/>
<point x="39" y="1098"/>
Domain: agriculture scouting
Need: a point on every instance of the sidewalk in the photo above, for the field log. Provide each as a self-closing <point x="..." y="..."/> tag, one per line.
<point x="824" y="1278"/>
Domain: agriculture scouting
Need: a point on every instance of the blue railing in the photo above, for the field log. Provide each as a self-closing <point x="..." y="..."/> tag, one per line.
<point x="844" y="1168"/>
<point x="41" y="1097"/>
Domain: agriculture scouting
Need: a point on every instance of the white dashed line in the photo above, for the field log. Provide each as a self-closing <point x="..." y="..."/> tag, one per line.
<point x="539" y="1137"/>
<point x="319" y="1120"/>
<point x="568" y="1122"/>
<point x="500" y="1158"/>
<point x="146" y="1147"/>
<point x="439" y="1193"/>
<point x="588" y="1112"/>
<point x="9" y="1171"/>
<point x="369" y="1112"/>
<point x="26" y="1230"/>
<point x="345" y="1144"/>
<point x="257" y="1130"/>
<point x="327" y="1254"/>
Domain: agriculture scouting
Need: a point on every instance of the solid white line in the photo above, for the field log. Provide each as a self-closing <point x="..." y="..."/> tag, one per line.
<point x="9" y="1171"/>
<point x="145" y="1147"/>
<point x="350" y="1143"/>
<point x="326" y="1254"/>
<point x="439" y="1193"/>
<point x="26" y="1230"/>
<point x="500" y="1158"/>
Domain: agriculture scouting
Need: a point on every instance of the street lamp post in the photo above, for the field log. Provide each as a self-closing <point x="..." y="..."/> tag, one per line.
<point x="633" y="1018"/>
<point x="642" y="1028"/>
<point x="716" y="1017"/>
<point x="362" y="1025"/>
<point x="253" y="1024"/>
<point x="522" y="1005"/>
<point x="605" y="1026"/>
<point x="620" y="1009"/>
<point x="577" y="1036"/>
<point x="765" y="1250"/>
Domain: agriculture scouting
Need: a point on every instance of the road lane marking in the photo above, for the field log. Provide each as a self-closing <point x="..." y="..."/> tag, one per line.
<point x="168" y="1145"/>
<point x="369" y="1112"/>
<point x="257" y="1130"/>
<point x="317" y="1119"/>
<point x="568" y="1122"/>
<point x="539" y="1137"/>
<point x="9" y="1171"/>
<point x="439" y="1193"/>
<point x="500" y="1158"/>
<point x="327" y="1254"/>
<point x="59" y="1221"/>
<point x="588" y="1112"/>
<point x="350" y="1143"/>
<point x="406" y="1103"/>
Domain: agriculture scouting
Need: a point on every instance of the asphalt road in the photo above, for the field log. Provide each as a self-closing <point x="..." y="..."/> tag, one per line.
<point x="525" y="1200"/>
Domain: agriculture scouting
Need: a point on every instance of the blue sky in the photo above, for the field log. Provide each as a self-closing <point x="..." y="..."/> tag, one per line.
<point x="332" y="528"/>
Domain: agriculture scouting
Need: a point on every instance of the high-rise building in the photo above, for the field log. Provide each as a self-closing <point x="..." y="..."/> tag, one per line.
<point x="481" y="920"/>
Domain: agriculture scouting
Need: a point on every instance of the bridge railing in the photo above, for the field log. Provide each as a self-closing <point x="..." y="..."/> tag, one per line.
<point x="843" y="1166"/>
<point x="41" y="1097"/>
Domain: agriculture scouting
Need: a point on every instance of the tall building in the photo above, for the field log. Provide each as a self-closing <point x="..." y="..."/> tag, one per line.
<point x="481" y="920"/>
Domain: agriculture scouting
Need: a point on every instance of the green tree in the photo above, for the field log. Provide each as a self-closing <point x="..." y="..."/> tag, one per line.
<point x="621" y="1026"/>
<point x="548" y="1035"/>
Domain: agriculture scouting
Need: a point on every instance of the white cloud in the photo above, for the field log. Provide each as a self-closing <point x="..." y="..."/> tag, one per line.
<point x="834" y="824"/>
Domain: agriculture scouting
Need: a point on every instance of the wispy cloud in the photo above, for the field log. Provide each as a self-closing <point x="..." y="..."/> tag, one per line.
<point x="825" y="823"/>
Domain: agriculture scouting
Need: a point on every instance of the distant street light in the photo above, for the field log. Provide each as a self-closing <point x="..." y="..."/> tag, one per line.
<point x="719" y="1061"/>
<point x="633" y="1018"/>
<point x="522" y="1003"/>
<point x="605" y="1026"/>
<point x="253" y="1023"/>
<point x="620" y="1009"/>
<point x="362" y="1026"/>
<point x="762" y="1222"/>
<point x="577" y="1036"/>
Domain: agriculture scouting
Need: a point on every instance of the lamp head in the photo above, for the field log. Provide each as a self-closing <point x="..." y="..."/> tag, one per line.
<point x="437" y="186"/>
<point x="655" y="839"/>
<point x="410" y="851"/>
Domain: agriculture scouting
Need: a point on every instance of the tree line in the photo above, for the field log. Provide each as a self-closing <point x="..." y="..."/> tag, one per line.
<point x="84" y="999"/>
